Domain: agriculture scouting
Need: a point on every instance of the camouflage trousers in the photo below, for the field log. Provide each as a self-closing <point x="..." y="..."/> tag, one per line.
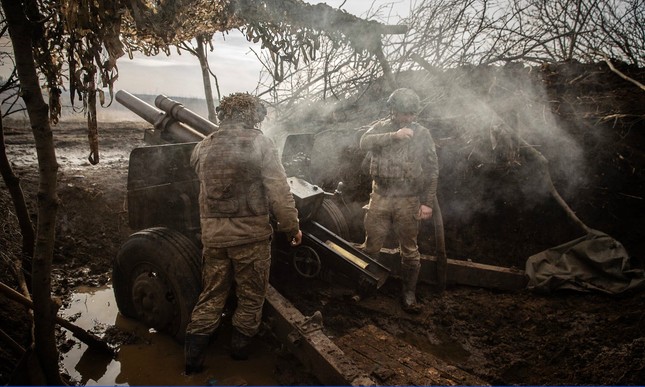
<point x="248" y="265"/>
<point x="398" y="213"/>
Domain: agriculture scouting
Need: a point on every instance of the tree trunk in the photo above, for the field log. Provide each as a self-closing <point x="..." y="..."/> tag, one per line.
<point x="208" y="89"/>
<point x="45" y="310"/>
<point x="387" y="70"/>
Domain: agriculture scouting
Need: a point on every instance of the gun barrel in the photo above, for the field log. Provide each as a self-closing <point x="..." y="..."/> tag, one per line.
<point x="140" y="108"/>
<point x="174" y="130"/>
<point x="182" y="114"/>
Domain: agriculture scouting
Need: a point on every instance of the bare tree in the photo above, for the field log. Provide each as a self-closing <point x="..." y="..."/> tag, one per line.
<point x="21" y="30"/>
<point x="623" y="29"/>
<point x="332" y="70"/>
<point x="336" y="74"/>
<point x="204" y="45"/>
<point x="451" y="33"/>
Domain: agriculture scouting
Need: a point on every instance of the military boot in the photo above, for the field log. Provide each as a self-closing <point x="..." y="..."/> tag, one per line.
<point x="195" y="352"/>
<point x="409" y="277"/>
<point x="239" y="345"/>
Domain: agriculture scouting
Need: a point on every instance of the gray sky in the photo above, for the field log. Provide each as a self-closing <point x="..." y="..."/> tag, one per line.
<point x="236" y="67"/>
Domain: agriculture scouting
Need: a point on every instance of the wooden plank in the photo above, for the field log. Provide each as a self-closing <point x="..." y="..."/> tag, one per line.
<point x="482" y="275"/>
<point x="304" y="338"/>
<point x="460" y="272"/>
<point x="391" y="361"/>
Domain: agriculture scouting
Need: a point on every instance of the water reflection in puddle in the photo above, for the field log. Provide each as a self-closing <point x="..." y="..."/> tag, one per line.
<point x="156" y="359"/>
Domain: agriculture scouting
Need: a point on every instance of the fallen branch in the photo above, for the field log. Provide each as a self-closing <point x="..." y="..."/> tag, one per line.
<point x="620" y="74"/>
<point x="544" y="164"/>
<point x="78" y="332"/>
<point x="618" y="116"/>
<point x="630" y="196"/>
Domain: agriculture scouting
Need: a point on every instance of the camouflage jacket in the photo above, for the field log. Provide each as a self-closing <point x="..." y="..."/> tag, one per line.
<point x="402" y="167"/>
<point x="245" y="225"/>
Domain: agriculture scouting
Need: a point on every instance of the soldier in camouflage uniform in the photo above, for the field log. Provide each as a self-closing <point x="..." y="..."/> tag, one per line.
<point x="241" y="181"/>
<point x="404" y="171"/>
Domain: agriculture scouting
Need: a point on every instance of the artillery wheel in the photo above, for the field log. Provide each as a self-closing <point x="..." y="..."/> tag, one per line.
<point x="157" y="279"/>
<point x="306" y="261"/>
<point x="332" y="218"/>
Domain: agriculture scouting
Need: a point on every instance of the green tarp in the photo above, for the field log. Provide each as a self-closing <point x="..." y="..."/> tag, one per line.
<point x="595" y="262"/>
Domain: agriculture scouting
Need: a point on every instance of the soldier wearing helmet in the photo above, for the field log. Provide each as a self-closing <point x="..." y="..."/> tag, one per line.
<point x="241" y="180"/>
<point x="241" y="108"/>
<point x="404" y="170"/>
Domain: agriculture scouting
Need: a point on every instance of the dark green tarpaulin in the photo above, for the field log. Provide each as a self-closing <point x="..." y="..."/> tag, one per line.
<point x="595" y="262"/>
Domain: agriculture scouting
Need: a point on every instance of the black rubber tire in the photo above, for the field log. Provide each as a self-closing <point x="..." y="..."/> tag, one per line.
<point x="332" y="218"/>
<point x="156" y="278"/>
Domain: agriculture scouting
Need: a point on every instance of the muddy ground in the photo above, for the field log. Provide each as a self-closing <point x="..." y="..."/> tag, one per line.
<point x="491" y="336"/>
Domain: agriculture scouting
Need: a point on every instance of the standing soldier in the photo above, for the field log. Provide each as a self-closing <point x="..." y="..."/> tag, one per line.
<point x="404" y="171"/>
<point x="241" y="181"/>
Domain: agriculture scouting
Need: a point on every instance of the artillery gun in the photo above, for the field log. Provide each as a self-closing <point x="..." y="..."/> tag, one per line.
<point x="157" y="271"/>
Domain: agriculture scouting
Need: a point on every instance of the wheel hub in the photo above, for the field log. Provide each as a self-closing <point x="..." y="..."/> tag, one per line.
<point x="150" y="296"/>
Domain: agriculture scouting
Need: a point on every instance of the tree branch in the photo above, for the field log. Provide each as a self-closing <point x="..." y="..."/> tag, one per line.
<point x="620" y="74"/>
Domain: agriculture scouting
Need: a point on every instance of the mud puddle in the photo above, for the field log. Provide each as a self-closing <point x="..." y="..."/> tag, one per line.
<point x="152" y="358"/>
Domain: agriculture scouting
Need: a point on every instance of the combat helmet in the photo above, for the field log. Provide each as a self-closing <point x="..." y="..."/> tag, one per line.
<point x="404" y="100"/>
<point x="241" y="107"/>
